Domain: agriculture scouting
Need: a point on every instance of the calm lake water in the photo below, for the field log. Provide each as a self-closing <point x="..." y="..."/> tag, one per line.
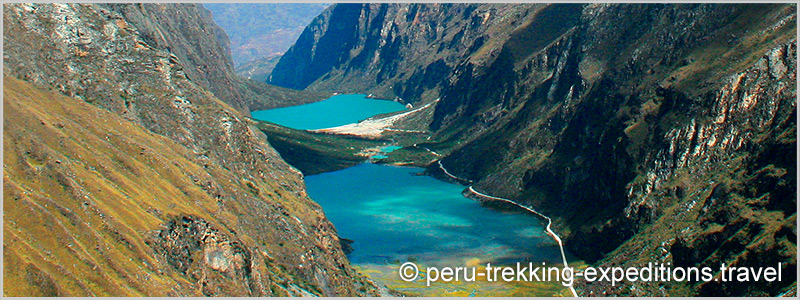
<point x="334" y="111"/>
<point x="394" y="215"/>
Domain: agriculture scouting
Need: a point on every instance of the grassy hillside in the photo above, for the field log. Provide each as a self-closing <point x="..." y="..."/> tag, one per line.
<point x="315" y="153"/>
<point x="97" y="205"/>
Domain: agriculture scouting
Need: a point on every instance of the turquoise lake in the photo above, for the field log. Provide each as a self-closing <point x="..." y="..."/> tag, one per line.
<point x="389" y="149"/>
<point x="394" y="215"/>
<point x="334" y="111"/>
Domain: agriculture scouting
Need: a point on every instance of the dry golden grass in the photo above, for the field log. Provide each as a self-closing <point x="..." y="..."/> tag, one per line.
<point x="85" y="190"/>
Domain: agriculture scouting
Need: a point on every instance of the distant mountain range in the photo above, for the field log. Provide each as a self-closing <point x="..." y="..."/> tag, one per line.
<point x="261" y="32"/>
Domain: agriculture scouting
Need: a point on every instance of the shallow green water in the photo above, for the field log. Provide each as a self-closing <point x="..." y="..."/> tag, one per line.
<point x="394" y="215"/>
<point x="334" y="111"/>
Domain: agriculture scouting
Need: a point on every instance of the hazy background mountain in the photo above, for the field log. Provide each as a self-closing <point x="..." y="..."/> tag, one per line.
<point x="261" y="32"/>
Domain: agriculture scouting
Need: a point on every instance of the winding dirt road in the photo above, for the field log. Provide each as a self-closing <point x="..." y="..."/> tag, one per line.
<point x="549" y="231"/>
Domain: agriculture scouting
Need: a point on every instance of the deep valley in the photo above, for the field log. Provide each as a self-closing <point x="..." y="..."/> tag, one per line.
<point x="138" y="161"/>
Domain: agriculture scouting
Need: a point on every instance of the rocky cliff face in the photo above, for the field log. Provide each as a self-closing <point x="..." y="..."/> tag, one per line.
<point x="160" y="185"/>
<point x="719" y="189"/>
<point x="627" y="123"/>
<point x="192" y="36"/>
<point x="394" y="50"/>
<point x="203" y="48"/>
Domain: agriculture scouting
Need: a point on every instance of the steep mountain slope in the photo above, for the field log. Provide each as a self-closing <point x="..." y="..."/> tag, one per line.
<point x="261" y="30"/>
<point x="97" y="205"/>
<point x="651" y="133"/>
<point x="394" y="50"/>
<point x="173" y="182"/>
<point x="203" y="48"/>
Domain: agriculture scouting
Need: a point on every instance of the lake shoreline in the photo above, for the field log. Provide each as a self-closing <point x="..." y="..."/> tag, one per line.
<point x="335" y="111"/>
<point x="397" y="214"/>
